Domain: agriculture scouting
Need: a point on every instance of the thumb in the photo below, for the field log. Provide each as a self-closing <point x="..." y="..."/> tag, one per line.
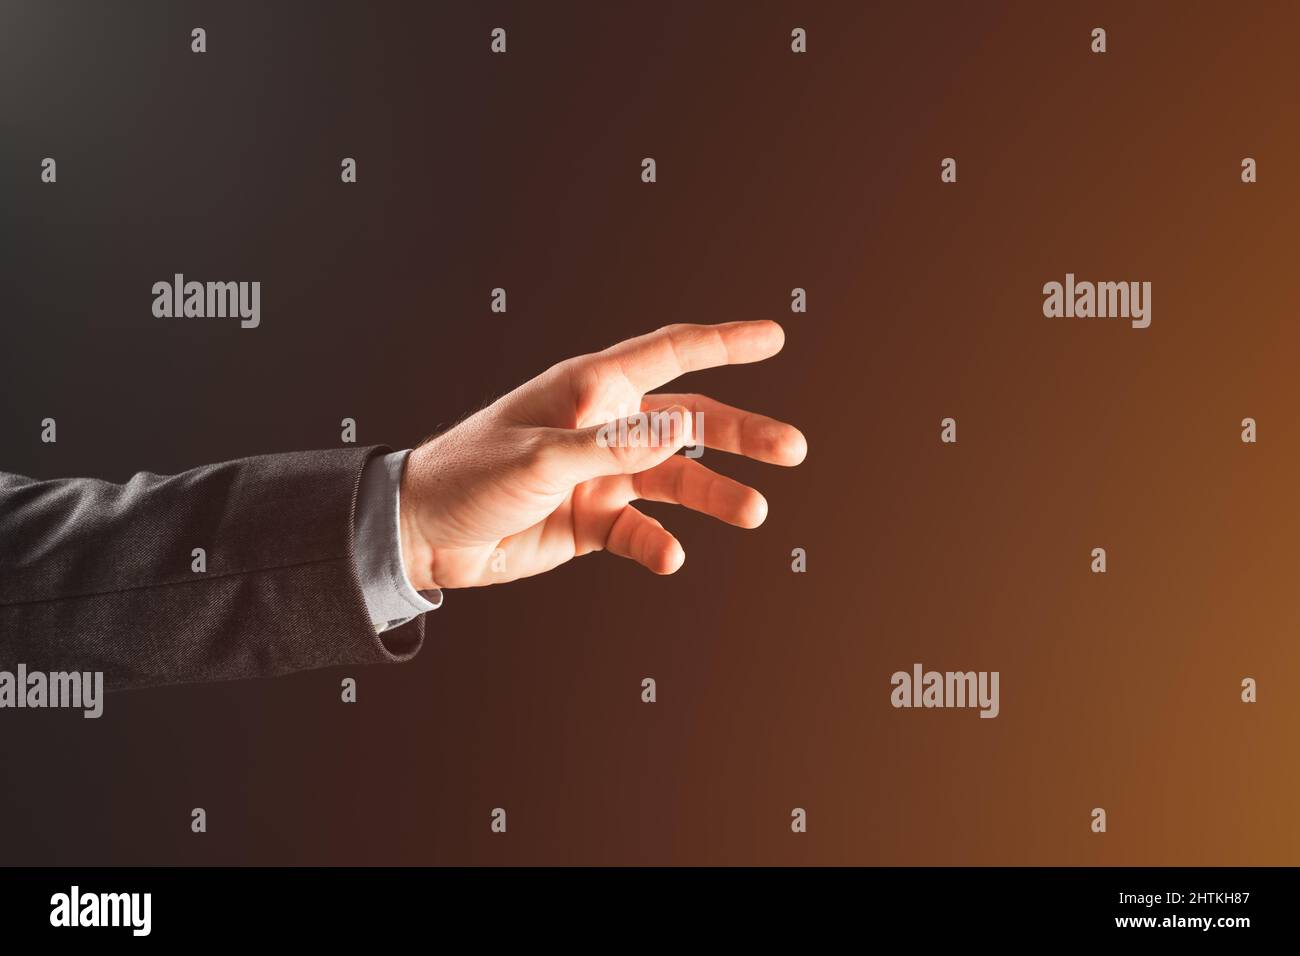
<point x="623" y="446"/>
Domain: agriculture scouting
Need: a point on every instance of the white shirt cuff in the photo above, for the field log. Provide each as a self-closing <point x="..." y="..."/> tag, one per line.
<point x="390" y="598"/>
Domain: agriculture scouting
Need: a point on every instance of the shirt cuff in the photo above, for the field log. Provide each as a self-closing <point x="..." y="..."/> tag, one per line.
<point x="390" y="597"/>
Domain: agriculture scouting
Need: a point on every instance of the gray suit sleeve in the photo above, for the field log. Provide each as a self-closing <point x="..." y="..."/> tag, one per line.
<point x="97" y="576"/>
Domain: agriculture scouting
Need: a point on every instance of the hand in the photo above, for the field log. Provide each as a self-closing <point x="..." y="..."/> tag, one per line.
<point x="548" y="472"/>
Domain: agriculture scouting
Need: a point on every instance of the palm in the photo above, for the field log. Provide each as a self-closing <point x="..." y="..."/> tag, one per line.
<point x="522" y="487"/>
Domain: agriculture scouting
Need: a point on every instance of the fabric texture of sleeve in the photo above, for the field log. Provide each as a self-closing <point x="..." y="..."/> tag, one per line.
<point x="96" y="576"/>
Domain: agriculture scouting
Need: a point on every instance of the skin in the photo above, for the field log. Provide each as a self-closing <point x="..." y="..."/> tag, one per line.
<point x="535" y="476"/>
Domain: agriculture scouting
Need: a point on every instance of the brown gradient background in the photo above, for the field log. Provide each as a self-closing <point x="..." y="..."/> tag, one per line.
<point x="775" y="171"/>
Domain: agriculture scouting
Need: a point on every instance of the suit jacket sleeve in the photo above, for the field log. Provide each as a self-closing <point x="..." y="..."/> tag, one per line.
<point x="97" y="576"/>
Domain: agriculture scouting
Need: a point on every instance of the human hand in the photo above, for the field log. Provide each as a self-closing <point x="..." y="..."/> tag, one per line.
<point x="544" y="475"/>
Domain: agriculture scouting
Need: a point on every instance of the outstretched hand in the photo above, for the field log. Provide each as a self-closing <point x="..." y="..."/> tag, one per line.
<point x="549" y="471"/>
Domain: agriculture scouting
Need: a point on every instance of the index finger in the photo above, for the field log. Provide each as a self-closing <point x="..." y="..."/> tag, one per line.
<point x="658" y="357"/>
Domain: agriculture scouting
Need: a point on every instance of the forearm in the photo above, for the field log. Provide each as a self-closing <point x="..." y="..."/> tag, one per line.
<point x="102" y="577"/>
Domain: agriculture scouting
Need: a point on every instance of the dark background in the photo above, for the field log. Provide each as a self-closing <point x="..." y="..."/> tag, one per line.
<point x="775" y="170"/>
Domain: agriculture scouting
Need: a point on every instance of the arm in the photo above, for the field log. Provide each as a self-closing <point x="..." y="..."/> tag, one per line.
<point x="97" y="576"/>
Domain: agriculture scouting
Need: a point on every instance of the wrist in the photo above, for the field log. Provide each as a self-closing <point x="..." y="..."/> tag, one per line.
<point x="417" y="555"/>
